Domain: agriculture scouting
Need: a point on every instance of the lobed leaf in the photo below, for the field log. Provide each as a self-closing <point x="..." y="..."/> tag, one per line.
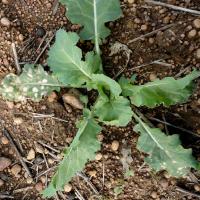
<point x="92" y="15"/>
<point x="167" y="91"/>
<point x="114" y="111"/>
<point x="33" y="83"/>
<point x="164" y="152"/>
<point x="82" y="149"/>
<point x="66" y="60"/>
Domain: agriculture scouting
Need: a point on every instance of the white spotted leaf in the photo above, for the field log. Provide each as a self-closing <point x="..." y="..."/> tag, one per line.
<point x="164" y="152"/>
<point x="33" y="83"/>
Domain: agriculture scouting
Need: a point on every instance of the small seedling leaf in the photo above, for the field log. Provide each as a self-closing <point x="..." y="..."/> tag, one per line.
<point x="33" y="83"/>
<point x="114" y="111"/>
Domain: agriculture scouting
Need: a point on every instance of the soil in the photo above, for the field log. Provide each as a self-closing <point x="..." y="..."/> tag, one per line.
<point x="170" y="52"/>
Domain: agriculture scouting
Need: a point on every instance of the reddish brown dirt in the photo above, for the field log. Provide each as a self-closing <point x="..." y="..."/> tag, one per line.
<point x="173" y="47"/>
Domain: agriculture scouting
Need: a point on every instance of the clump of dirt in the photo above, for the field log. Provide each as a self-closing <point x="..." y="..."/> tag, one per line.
<point x="161" y="42"/>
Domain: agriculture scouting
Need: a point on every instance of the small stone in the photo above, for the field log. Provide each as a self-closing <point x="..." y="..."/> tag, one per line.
<point x="164" y="183"/>
<point x="68" y="188"/>
<point x="48" y="5"/>
<point x="196" y="23"/>
<point x="5" y="1"/>
<point x="144" y="27"/>
<point x="4" y="163"/>
<point x="192" y="33"/>
<point x="98" y="156"/>
<point x="10" y="104"/>
<point x="18" y="120"/>
<point x="16" y="169"/>
<point x="152" y="77"/>
<point x="1" y="183"/>
<point x="100" y="137"/>
<point x="198" y="54"/>
<point x="115" y="145"/>
<point x="50" y="161"/>
<point x="131" y="1"/>
<point x="4" y="140"/>
<point x="39" y="187"/>
<point x="166" y="175"/>
<point x="154" y="195"/>
<point x="29" y="180"/>
<point x="72" y="100"/>
<point x="52" y="97"/>
<point x="43" y="179"/>
<point x="21" y="37"/>
<point x="5" y="21"/>
<point x="92" y="173"/>
<point x="197" y="187"/>
<point x="31" y="155"/>
<point x="39" y="148"/>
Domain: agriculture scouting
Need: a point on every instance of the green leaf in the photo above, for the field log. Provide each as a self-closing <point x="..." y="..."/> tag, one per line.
<point x="164" y="152"/>
<point x="115" y="111"/>
<point x="105" y="85"/>
<point x="66" y="60"/>
<point x="167" y="91"/>
<point x="33" y="83"/>
<point x="82" y="149"/>
<point x="92" y="15"/>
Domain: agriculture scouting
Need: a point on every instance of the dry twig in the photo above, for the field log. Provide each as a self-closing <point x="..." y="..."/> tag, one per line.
<point x="178" y="8"/>
<point x="16" y="58"/>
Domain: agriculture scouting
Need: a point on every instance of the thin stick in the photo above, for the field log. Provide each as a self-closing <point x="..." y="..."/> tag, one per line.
<point x="46" y="171"/>
<point x="5" y="196"/>
<point x="180" y="128"/>
<point x="47" y="146"/>
<point x="22" y="189"/>
<point x="86" y="179"/>
<point x="16" y="58"/>
<point x="194" y="12"/>
<point x="151" y="33"/>
<point x="187" y="192"/>
<point x="78" y="194"/>
<point x="7" y="134"/>
<point x="47" y="44"/>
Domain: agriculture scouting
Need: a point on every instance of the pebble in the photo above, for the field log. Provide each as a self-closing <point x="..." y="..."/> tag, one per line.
<point x="197" y="187"/>
<point x="5" y="1"/>
<point x="4" y="140"/>
<point x="52" y="97"/>
<point x="192" y="33"/>
<point x="4" y="163"/>
<point x="39" y="148"/>
<point x="18" y="120"/>
<point x="5" y="21"/>
<point x="10" y="104"/>
<point x="152" y="77"/>
<point x="21" y="37"/>
<point x="154" y="195"/>
<point x="198" y="53"/>
<point x="98" y="156"/>
<point x="131" y="1"/>
<point x="164" y="183"/>
<point x="72" y="100"/>
<point x="29" y="180"/>
<point x="1" y="183"/>
<point x="92" y="173"/>
<point x="43" y="179"/>
<point x="16" y="169"/>
<point x="31" y="155"/>
<point x="144" y="27"/>
<point x="39" y="186"/>
<point x="68" y="188"/>
<point x="196" y="23"/>
<point x="115" y="145"/>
